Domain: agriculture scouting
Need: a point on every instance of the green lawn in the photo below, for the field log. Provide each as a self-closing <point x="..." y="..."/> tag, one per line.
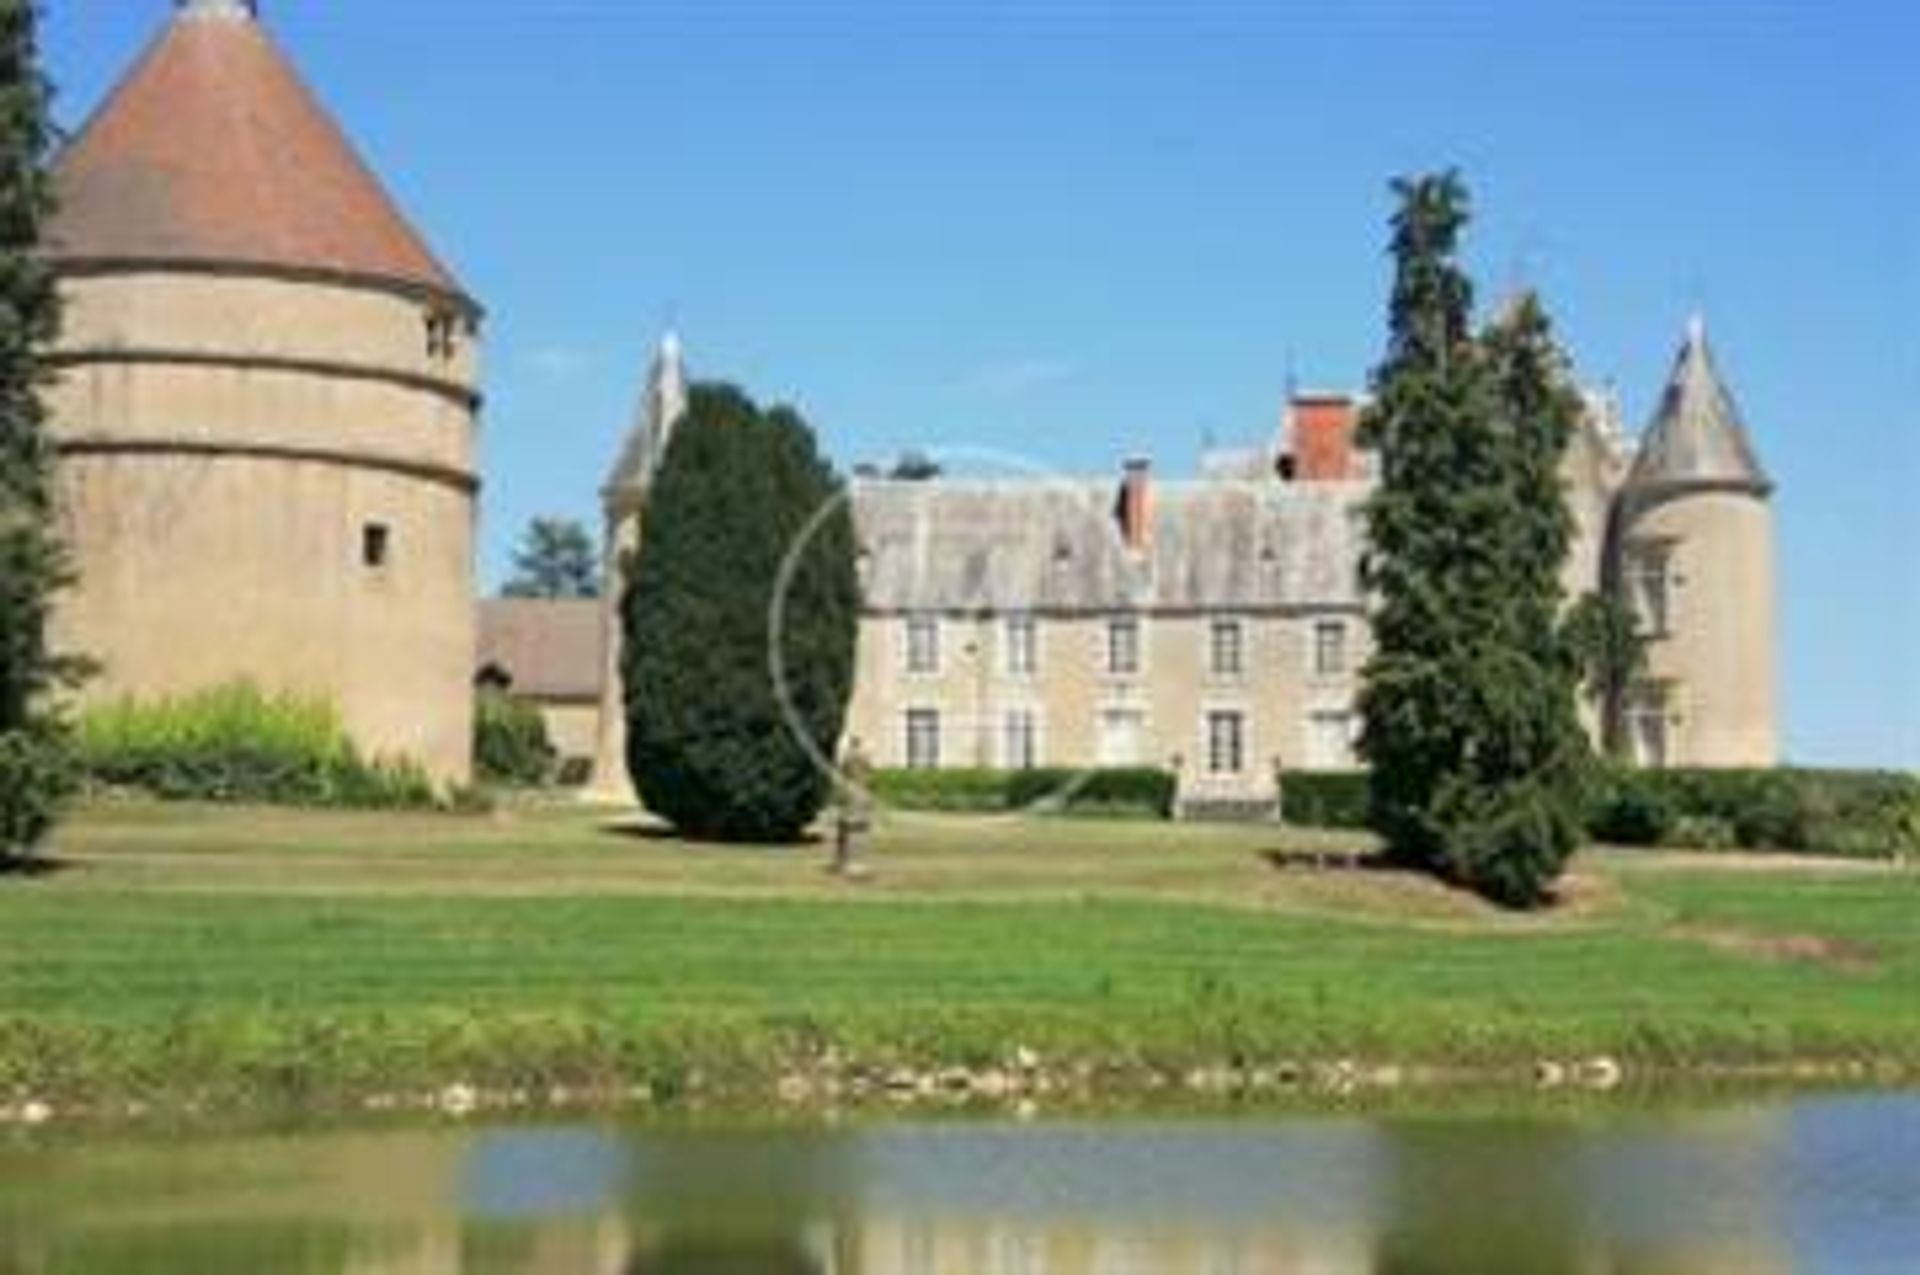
<point x="182" y="946"/>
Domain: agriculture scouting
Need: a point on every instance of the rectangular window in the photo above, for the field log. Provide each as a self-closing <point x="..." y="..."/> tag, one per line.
<point x="1123" y="646"/>
<point x="1020" y="745"/>
<point x="1022" y="646"/>
<point x="1647" y="709"/>
<point x="441" y="334"/>
<point x="1123" y="735"/>
<point x="1330" y="741"/>
<point x="1329" y="648"/>
<point x="1649" y="585"/>
<point x="1229" y="648"/>
<point x="923" y="644"/>
<point x="923" y="739"/>
<point x="376" y="544"/>
<point x="1226" y="743"/>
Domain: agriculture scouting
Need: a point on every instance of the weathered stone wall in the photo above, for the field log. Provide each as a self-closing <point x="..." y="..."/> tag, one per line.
<point x="1075" y="700"/>
<point x="1717" y="658"/>
<point x="228" y="444"/>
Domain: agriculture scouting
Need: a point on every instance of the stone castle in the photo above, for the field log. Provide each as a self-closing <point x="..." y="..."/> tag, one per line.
<point x="266" y="413"/>
<point x="1217" y="626"/>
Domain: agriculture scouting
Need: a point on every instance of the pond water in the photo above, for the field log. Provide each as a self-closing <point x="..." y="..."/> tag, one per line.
<point x="1820" y="1183"/>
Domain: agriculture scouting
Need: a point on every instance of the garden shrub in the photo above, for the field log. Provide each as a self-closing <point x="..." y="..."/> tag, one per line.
<point x="943" y="791"/>
<point x="1137" y="792"/>
<point x="1133" y="790"/>
<point x="1874" y="814"/>
<point x="236" y="743"/>
<point x="1324" y="799"/>
<point x="1630" y="808"/>
<point x="1861" y="814"/>
<point x="510" y="744"/>
<point x="1701" y="832"/>
<point x="36" y="776"/>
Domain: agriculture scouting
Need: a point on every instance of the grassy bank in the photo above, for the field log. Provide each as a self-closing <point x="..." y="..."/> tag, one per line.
<point x="183" y="954"/>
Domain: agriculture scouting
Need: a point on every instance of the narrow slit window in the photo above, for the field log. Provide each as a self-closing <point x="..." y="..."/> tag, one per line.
<point x="376" y="545"/>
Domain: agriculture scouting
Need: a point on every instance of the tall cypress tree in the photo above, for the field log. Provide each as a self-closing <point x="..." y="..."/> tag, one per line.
<point x="1429" y="394"/>
<point x="1518" y="816"/>
<point x="1471" y="725"/>
<point x="710" y="746"/>
<point x="33" y="563"/>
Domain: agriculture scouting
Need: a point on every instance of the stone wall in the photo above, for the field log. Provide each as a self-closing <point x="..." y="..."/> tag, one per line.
<point x="272" y="479"/>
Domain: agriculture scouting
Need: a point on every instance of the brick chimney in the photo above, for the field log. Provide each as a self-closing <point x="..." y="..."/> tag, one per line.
<point x="1321" y="437"/>
<point x="1136" y="504"/>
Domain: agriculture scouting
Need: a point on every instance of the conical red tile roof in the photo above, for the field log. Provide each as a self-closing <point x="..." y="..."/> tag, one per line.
<point x="212" y="151"/>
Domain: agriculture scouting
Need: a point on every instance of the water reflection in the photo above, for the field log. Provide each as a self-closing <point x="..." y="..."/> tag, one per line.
<point x="1829" y="1184"/>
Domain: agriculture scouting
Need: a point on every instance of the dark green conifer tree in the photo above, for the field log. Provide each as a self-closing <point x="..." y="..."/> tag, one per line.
<point x="1516" y="814"/>
<point x="710" y="747"/>
<point x="1428" y="393"/>
<point x="1471" y="726"/>
<point x="33" y="563"/>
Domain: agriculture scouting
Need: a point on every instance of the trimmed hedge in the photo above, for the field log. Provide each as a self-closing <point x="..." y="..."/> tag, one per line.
<point x="1858" y="813"/>
<point x="238" y="744"/>
<point x="1324" y="799"/>
<point x="1140" y="792"/>
<point x="1864" y="814"/>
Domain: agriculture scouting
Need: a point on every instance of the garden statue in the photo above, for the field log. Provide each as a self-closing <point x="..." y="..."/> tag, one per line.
<point x="852" y="811"/>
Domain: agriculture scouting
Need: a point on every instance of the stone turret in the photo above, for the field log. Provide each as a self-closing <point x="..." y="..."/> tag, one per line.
<point x="623" y="500"/>
<point x="267" y="403"/>
<point x="1692" y="552"/>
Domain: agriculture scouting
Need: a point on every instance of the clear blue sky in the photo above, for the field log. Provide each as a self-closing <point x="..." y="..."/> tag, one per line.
<point x="1074" y="230"/>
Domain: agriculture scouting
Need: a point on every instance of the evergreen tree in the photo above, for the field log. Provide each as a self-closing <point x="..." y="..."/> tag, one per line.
<point x="1612" y="652"/>
<point x="1521" y="802"/>
<point x="1428" y="395"/>
<point x="1471" y="725"/>
<point x="555" y="560"/>
<point x="33" y="563"/>
<point x="710" y="747"/>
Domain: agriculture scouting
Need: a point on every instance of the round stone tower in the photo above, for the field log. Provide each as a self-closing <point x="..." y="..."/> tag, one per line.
<point x="266" y="404"/>
<point x="1693" y="554"/>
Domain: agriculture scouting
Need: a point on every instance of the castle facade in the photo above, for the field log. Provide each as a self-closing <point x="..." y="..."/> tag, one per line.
<point x="266" y="412"/>
<point x="1218" y="626"/>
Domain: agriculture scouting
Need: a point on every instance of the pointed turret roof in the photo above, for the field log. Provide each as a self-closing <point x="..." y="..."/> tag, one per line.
<point x="661" y="406"/>
<point x="212" y="152"/>
<point x="1696" y="438"/>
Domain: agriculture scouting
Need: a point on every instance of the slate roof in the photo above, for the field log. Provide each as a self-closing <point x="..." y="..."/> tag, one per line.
<point x="550" y="648"/>
<point x="1697" y="438"/>
<point x="212" y="151"/>
<point x="1054" y="546"/>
